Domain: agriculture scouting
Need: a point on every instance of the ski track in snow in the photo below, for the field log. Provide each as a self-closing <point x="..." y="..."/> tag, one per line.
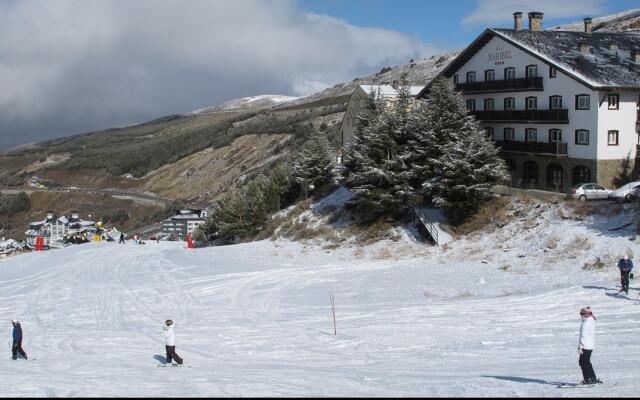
<point x="254" y="320"/>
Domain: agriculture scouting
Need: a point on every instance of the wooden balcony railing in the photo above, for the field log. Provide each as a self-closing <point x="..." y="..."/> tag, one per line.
<point x="504" y="85"/>
<point x="523" y="116"/>
<point x="558" y="148"/>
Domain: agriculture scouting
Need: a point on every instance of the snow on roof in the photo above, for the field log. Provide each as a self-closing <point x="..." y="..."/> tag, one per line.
<point x="602" y="67"/>
<point x="388" y="90"/>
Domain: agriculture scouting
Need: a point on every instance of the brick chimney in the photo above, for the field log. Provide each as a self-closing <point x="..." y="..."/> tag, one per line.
<point x="49" y="214"/>
<point x="535" y="21"/>
<point x="517" y="21"/>
<point x="635" y="56"/>
<point x="588" y="25"/>
<point x="74" y="215"/>
<point x="584" y="48"/>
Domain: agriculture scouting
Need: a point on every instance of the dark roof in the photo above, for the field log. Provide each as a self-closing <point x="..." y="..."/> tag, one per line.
<point x="602" y="68"/>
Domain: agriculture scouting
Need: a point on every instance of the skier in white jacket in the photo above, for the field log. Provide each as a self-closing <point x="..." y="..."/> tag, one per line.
<point x="171" y="343"/>
<point x="586" y="344"/>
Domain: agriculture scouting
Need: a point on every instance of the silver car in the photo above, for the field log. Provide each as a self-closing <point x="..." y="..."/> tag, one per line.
<point x="624" y="193"/>
<point x="589" y="191"/>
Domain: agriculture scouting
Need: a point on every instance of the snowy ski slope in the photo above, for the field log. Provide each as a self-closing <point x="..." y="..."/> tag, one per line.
<point x="254" y="319"/>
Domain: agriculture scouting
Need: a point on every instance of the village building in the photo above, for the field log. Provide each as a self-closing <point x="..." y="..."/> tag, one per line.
<point x="563" y="106"/>
<point x="358" y="100"/>
<point x="183" y="222"/>
<point x="54" y="229"/>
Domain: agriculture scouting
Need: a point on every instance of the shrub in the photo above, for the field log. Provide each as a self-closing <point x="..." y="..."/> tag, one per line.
<point x="14" y="203"/>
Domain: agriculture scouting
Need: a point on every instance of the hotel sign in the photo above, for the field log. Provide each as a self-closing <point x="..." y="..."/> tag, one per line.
<point x="499" y="55"/>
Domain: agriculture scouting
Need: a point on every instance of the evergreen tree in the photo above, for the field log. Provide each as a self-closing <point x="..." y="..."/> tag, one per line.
<point x="432" y="125"/>
<point x="375" y="169"/>
<point x="315" y="165"/>
<point x="459" y="164"/>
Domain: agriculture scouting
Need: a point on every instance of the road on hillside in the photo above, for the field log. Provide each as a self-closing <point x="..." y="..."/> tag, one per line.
<point x="118" y="193"/>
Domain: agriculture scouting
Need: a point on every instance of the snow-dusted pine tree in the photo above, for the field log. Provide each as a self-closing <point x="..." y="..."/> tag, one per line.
<point x="461" y="163"/>
<point x="375" y="169"/>
<point x="315" y="165"/>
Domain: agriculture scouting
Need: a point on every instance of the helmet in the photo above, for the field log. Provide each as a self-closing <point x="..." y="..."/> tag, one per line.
<point x="168" y="322"/>
<point x="14" y="321"/>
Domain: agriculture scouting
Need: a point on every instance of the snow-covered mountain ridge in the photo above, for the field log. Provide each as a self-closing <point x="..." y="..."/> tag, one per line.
<point x="245" y="104"/>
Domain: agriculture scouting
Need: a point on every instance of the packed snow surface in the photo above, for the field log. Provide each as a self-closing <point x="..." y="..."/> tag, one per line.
<point x="494" y="314"/>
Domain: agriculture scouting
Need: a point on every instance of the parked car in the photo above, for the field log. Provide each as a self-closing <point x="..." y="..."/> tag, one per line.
<point x="624" y="193"/>
<point x="589" y="191"/>
<point x="635" y="193"/>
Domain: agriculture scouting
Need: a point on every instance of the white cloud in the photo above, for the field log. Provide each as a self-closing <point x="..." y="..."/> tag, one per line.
<point x="500" y="11"/>
<point x="76" y="65"/>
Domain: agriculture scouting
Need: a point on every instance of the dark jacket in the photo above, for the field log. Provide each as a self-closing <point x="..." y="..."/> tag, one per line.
<point x="17" y="332"/>
<point x="625" y="265"/>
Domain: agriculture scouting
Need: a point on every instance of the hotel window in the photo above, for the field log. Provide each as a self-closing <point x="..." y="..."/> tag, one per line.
<point x="531" y="135"/>
<point x="509" y="104"/>
<point x="509" y="134"/>
<point x="614" y="101"/>
<point x="555" y="102"/>
<point x="582" y="102"/>
<point x="612" y="138"/>
<point x="455" y="79"/>
<point x="509" y="73"/>
<point x="490" y="133"/>
<point x="531" y="103"/>
<point x="489" y="75"/>
<point x="488" y="105"/>
<point x="471" y="76"/>
<point x="552" y="72"/>
<point x="471" y="104"/>
<point x="531" y="71"/>
<point x="582" y="136"/>
<point x="555" y="136"/>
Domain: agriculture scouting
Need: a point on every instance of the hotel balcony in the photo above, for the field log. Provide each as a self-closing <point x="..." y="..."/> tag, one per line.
<point x="560" y="116"/>
<point x="504" y="85"/>
<point x="556" y="149"/>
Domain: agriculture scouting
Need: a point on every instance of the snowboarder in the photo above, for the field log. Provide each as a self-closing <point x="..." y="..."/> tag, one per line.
<point x="171" y="343"/>
<point x="121" y="238"/>
<point x="625" y="265"/>
<point x="586" y="344"/>
<point x="17" y="340"/>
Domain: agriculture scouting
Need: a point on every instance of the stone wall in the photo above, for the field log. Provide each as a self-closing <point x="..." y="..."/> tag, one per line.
<point x="609" y="173"/>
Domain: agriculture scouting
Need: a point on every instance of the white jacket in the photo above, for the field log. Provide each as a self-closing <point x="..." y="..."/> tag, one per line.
<point x="587" y="339"/>
<point x="169" y="335"/>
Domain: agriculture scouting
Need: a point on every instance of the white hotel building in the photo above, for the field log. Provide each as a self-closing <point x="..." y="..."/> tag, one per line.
<point x="561" y="105"/>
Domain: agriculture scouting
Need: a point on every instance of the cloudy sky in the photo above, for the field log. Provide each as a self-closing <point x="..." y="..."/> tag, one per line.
<point x="71" y="66"/>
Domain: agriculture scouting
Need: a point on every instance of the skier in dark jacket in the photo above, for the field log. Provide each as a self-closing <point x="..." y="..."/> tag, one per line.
<point x="17" y="340"/>
<point x="121" y="238"/>
<point x="625" y="265"/>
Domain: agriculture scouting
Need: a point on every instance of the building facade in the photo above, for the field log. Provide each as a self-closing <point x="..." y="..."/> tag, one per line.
<point x="183" y="222"/>
<point x="562" y="106"/>
<point x="54" y="229"/>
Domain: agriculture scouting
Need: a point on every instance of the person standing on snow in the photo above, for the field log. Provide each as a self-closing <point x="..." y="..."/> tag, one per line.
<point x="171" y="343"/>
<point x="121" y="238"/>
<point x="625" y="265"/>
<point x="586" y="344"/>
<point x="17" y="340"/>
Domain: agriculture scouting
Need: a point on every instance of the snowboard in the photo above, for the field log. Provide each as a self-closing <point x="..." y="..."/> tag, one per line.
<point x="173" y="365"/>
<point x="568" y="385"/>
<point x="576" y="385"/>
